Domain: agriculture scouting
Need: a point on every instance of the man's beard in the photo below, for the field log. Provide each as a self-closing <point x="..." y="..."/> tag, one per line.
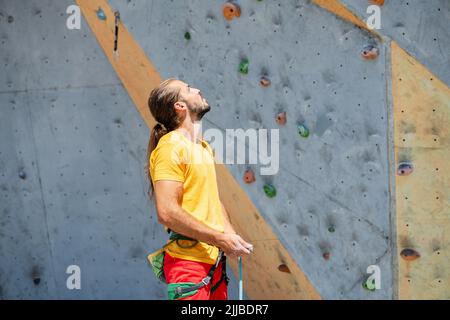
<point x="199" y="111"/>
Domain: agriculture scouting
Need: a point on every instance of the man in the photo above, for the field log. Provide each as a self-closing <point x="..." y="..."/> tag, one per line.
<point x="183" y="182"/>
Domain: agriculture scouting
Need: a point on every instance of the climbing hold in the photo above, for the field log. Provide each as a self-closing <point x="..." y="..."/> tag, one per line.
<point x="187" y="35"/>
<point x="404" y="168"/>
<point x="281" y="118"/>
<point x="326" y="256"/>
<point x="270" y="190"/>
<point x="409" y="254"/>
<point x="369" y="52"/>
<point x="377" y="2"/>
<point x="37" y="281"/>
<point x="249" y="176"/>
<point x="284" y="268"/>
<point x="231" y="10"/>
<point x="101" y="14"/>
<point x="22" y="175"/>
<point x="331" y="229"/>
<point x="10" y="19"/>
<point x="264" y="82"/>
<point x="243" y="66"/>
<point x="369" y="284"/>
<point x="303" y="131"/>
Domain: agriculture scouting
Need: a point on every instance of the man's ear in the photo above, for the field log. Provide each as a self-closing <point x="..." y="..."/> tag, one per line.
<point x="179" y="105"/>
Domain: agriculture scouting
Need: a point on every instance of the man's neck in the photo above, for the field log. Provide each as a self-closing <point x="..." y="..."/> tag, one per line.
<point x="192" y="131"/>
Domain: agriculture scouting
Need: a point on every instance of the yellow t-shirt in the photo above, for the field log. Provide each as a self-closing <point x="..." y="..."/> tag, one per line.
<point x="177" y="158"/>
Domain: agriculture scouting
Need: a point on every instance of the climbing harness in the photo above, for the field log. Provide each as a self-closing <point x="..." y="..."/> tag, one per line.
<point x="156" y="259"/>
<point x="184" y="289"/>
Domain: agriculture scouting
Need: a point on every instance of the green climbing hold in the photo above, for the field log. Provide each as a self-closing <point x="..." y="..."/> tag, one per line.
<point x="270" y="190"/>
<point x="331" y="229"/>
<point x="187" y="36"/>
<point x="303" y="131"/>
<point x="369" y="284"/>
<point x="243" y="66"/>
<point x="101" y="14"/>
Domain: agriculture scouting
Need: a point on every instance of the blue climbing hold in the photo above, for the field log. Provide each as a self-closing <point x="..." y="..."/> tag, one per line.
<point x="303" y="130"/>
<point x="101" y="14"/>
<point x="405" y="168"/>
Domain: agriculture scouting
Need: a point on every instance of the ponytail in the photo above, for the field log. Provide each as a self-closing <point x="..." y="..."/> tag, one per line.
<point x="161" y="105"/>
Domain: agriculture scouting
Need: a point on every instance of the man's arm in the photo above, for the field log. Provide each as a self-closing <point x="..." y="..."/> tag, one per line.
<point x="168" y="197"/>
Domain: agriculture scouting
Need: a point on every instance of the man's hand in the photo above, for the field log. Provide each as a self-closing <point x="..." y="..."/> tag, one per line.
<point x="233" y="245"/>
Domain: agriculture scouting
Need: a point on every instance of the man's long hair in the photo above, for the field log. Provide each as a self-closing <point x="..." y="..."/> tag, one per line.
<point x="161" y="104"/>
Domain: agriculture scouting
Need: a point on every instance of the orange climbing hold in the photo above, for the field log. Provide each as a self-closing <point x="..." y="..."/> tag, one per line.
<point x="249" y="176"/>
<point x="231" y="10"/>
<point x="284" y="268"/>
<point x="264" y="82"/>
<point x="377" y="2"/>
<point x="281" y="118"/>
<point x="409" y="254"/>
<point x="370" y="52"/>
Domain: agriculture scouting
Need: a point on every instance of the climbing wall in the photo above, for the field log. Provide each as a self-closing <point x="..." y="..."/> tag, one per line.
<point x="422" y="150"/>
<point x="420" y="93"/>
<point x="72" y="180"/>
<point x="332" y="205"/>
